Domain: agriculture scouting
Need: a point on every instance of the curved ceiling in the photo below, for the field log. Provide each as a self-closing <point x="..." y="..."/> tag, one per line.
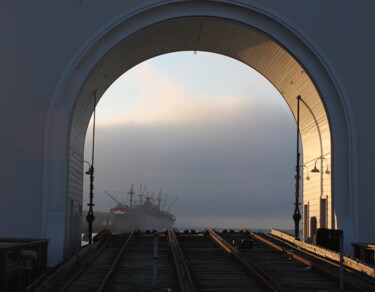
<point x="225" y="37"/>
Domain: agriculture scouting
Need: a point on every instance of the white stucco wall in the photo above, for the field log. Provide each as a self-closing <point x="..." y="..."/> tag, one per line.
<point x="41" y="40"/>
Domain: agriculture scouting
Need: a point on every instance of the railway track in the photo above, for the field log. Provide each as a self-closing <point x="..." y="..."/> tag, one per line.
<point x="295" y="269"/>
<point x="210" y="270"/>
<point x="352" y="279"/>
<point x="182" y="271"/>
<point x="202" y="261"/>
<point x="88" y="273"/>
<point x="145" y="266"/>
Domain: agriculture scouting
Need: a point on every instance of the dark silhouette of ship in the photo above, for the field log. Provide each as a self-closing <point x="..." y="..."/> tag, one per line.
<point x="144" y="214"/>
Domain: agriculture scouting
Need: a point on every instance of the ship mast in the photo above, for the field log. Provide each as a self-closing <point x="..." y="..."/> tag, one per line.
<point x="131" y="193"/>
<point x="141" y="194"/>
<point x="165" y="200"/>
<point x="159" y="199"/>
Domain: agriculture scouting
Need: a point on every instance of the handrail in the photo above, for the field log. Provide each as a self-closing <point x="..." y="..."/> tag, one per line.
<point x="21" y="243"/>
<point x="305" y="261"/>
<point x="349" y="262"/>
<point x="84" y="268"/>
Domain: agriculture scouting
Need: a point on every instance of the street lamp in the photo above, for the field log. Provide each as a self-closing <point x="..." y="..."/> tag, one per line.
<point x="297" y="215"/>
<point x="307" y="172"/>
<point x="323" y="201"/>
<point x="90" y="214"/>
<point x="315" y="169"/>
<point x="89" y="169"/>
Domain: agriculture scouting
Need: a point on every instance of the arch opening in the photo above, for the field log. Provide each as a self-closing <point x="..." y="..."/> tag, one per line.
<point x="234" y="40"/>
<point x="251" y="35"/>
<point x="227" y="152"/>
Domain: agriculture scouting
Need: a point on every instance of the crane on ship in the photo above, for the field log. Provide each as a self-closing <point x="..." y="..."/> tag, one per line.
<point x="113" y="198"/>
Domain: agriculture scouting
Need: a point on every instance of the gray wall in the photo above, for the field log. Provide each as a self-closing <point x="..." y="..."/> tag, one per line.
<point x="44" y="43"/>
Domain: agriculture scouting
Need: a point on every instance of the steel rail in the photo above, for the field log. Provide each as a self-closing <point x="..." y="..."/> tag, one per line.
<point x="259" y="274"/>
<point x="108" y="276"/>
<point x="305" y="261"/>
<point x="85" y="267"/>
<point x="183" y="274"/>
<point x="328" y="261"/>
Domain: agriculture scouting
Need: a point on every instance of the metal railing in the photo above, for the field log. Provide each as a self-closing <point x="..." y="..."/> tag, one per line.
<point x="21" y="262"/>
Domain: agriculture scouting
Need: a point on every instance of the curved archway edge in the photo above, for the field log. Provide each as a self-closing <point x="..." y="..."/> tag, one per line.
<point x="75" y="82"/>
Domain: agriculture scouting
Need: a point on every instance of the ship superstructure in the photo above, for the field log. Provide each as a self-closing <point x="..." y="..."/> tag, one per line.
<point x="144" y="214"/>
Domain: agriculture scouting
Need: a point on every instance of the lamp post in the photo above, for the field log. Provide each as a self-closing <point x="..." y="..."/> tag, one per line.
<point x="323" y="201"/>
<point x="90" y="215"/>
<point x="297" y="214"/>
<point x="321" y="157"/>
<point x="316" y="170"/>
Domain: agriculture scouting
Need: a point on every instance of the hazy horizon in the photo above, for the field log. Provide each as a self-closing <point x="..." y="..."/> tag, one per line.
<point x="204" y="128"/>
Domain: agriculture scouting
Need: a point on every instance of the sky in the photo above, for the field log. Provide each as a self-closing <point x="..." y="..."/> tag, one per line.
<point x="207" y="130"/>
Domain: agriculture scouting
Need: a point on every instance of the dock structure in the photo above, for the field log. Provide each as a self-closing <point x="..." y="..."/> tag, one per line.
<point x="60" y="60"/>
<point x="206" y="260"/>
<point x="21" y="262"/>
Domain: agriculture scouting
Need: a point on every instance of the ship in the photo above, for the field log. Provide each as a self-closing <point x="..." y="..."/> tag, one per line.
<point x="144" y="214"/>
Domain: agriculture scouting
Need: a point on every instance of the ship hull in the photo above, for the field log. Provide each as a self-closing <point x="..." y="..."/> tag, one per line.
<point x="140" y="220"/>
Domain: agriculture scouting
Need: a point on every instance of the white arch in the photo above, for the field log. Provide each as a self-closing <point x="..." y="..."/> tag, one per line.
<point x="75" y="83"/>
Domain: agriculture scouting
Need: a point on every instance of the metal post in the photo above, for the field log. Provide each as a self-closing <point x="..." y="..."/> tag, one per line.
<point x="297" y="214"/>
<point x="90" y="215"/>
<point x="341" y="239"/>
<point x="155" y="261"/>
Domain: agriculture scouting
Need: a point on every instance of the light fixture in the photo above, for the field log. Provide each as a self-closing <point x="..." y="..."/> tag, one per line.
<point x="307" y="172"/>
<point x="89" y="171"/>
<point x="315" y="169"/>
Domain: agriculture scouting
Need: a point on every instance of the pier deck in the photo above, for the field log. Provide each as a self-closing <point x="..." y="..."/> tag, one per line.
<point x="202" y="261"/>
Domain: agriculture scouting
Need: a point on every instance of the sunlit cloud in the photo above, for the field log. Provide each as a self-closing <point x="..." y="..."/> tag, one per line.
<point x="227" y="152"/>
<point x="162" y="100"/>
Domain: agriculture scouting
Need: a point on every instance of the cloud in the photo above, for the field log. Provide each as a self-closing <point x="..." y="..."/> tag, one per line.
<point x="228" y="172"/>
<point x="228" y="159"/>
<point x="160" y="99"/>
